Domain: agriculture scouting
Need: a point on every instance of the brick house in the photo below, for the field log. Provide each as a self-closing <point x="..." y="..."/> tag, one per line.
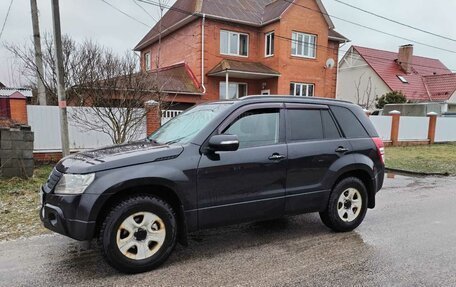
<point x="256" y="46"/>
<point x="420" y="79"/>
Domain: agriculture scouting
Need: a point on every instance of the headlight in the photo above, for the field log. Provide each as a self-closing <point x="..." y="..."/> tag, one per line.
<point x="74" y="183"/>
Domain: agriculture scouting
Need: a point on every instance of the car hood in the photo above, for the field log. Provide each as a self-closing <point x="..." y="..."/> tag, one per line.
<point x="117" y="156"/>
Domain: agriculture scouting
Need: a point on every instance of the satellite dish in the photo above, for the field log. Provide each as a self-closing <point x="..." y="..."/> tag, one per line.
<point x="330" y="63"/>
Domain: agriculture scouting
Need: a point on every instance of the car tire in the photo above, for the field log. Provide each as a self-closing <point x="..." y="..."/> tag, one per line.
<point x="347" y="205"/>
<point x="138" y="234"/>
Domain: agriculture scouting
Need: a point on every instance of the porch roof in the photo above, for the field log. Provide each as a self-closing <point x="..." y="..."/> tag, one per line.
<point x="243" y="70"/>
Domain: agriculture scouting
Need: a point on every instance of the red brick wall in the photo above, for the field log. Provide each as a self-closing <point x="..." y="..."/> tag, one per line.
<point x="18" y="110"/>
<point x="183" y="45"/>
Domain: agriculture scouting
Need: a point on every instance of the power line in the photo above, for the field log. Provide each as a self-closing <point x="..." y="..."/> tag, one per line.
<point x="129" y="16"/>
<point x="395" y="21"/>
<point x="6" y="18"/>
<point x="145" y="11"/>
<point x="150" y="2"/>
<point x="370" y="28"/>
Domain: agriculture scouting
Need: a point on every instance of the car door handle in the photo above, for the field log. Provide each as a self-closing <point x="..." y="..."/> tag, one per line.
<point x="276" y="156"/>
<point x="342" y="149"/>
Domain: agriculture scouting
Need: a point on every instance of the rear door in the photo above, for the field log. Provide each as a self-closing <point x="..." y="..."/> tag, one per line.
<point x="314" y="145"/>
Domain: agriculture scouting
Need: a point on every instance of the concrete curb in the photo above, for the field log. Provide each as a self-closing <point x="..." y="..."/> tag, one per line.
<point x="416" y="173"/>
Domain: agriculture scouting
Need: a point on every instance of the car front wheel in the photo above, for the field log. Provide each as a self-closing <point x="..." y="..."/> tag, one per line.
<point x="347" y="205"/>
<point x="138" y="234"/>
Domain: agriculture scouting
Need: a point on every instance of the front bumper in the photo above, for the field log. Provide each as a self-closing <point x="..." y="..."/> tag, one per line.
<point x="59" y="213"/>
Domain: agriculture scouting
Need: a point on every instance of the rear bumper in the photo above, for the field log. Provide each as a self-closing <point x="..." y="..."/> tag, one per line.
<point x="62" y="214"/>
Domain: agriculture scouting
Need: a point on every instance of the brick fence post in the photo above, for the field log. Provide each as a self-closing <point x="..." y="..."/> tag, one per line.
<point x="153" y="118"/>
<point x="432" y="126"/>
<point x="396" y="115"/>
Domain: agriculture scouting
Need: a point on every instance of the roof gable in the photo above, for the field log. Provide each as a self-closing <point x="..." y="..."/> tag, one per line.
<point x="248" y="12"/>
<point x="384" y="63"/>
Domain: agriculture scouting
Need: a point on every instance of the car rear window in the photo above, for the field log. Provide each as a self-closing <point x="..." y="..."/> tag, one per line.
<point x="304" y="125"/>
<point x="351" y="126"/>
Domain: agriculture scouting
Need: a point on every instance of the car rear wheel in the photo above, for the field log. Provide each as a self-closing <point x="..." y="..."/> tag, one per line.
<point x="138" y="234"/>
<point x="347" y="205"/>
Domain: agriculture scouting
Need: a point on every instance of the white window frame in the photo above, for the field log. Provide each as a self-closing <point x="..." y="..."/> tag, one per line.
<point x="237" y="91"/>
<point x="147" y="61"/>
<point x="237" y="54"/>
<point x="265" y="92"/>
<point x="301" y="87"/>
<point x="310" y="47"/>
<point x="270" y="40"/>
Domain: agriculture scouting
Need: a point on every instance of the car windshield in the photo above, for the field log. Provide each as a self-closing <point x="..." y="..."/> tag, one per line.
<point x="183" y="128"/>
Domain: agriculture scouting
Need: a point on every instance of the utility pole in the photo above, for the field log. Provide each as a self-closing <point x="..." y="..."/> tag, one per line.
<point x="38" y="54"/>
<point x="60" y="78"/>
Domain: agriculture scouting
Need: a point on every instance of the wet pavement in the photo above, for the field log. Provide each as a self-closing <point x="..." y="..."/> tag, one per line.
<point x="408" y="240"/>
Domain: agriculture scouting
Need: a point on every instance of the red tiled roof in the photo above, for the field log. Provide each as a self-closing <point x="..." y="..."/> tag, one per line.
<point x="441" y="87"/>
<point x="249" y="12"/>
<point x="385" y="65"/>
<point x="177" y="78"/>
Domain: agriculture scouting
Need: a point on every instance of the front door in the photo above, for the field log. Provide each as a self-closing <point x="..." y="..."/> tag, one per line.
<point x="314" y="146"/>
<point x="247" y="184"/>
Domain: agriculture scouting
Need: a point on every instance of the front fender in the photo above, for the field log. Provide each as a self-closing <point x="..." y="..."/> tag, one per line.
<point x="109" y="183"/>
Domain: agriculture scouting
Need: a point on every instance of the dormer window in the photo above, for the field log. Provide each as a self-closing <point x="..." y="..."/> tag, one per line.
<point x="234" y="43"/>
<point x="402" y="79"/>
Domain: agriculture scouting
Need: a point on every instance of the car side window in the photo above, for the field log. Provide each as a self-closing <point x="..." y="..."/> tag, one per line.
<point x="304" y="125"/>
<point x="329" y="126"/>
<point x="350" y="125"/>
<point x="256" y="128"/>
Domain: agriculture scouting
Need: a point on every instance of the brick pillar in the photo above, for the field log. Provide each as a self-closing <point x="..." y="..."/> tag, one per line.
<point x="432" y="126"/>
<point x="153" y="118"/>
<point x="18" y="110"/>
<point x="396" y="115"/>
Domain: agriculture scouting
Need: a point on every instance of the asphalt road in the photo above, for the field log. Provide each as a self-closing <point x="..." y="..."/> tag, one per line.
<point x="408" y="240"/>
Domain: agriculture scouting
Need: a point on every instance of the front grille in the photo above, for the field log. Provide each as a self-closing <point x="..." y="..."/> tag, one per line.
<point x="52" y="181"/>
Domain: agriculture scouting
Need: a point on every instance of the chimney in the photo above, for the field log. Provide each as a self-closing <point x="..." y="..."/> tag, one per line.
<point x="405" y="58"/>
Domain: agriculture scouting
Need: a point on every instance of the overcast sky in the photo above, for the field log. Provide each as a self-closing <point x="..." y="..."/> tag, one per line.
<point x="93" y="19"/>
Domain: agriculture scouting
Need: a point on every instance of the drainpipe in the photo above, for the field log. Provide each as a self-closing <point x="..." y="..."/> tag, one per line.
<point x="202" y="53"/>
<point x="227" y="85"/>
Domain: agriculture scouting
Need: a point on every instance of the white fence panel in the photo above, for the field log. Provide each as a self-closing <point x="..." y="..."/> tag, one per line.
<point x="169" y="115"/>
<point x="45" y="123"/>
<point x="383" y="126"/>
<point x="445" y="130"/>
<point x="413" y="128"/>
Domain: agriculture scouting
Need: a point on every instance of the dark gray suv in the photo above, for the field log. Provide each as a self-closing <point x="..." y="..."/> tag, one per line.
<point x="253" y="159"/>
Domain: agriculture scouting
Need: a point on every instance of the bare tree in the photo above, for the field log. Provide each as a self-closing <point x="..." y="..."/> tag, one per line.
<point x="110" y="90"/>
<point x="26" y="56"/>
<point x="366" y="97"/>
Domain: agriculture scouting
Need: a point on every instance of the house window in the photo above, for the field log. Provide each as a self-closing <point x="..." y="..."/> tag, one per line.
<point x="403" y="79"/>
<point x="235" y="91"/>
<point x="269" y="42"/>
<point x="234" y="44"/>
<point x="302" y="90"/>
<point x="147" y="63"/>
<point x="303" y="45"/>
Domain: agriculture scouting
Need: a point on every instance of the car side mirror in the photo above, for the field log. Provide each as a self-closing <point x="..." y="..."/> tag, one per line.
<point x="224" y="143"/>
